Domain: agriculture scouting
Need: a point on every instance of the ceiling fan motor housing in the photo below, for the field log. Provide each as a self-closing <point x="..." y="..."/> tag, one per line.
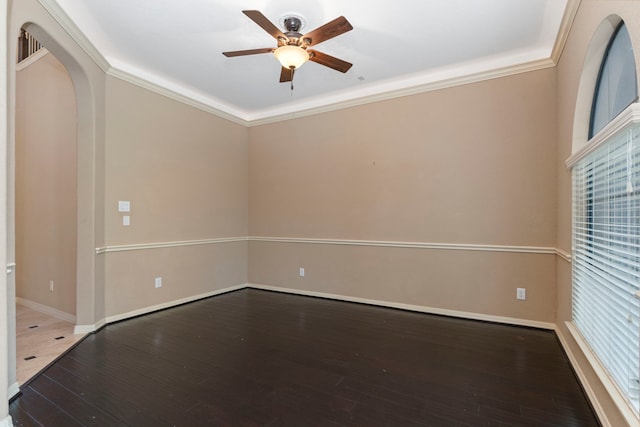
<point x="293" y="25"/>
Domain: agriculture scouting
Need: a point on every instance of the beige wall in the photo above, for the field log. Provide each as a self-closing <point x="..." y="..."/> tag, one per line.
<point x="46" y="185"/>
<point x="185" y="173"/>
<point x="88" y="80"/>
<point x="183" y="170"/>
<point x="591" y="14"/>
<point x="480" y="164"/>
<point x="473" y="283"/>
<point x="187" y="181"/>
<point x="472" y="165"/>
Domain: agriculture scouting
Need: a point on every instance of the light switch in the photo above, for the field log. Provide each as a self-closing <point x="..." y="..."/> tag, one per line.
<point x="125" y="220"/>
<point x="124" y="206"/>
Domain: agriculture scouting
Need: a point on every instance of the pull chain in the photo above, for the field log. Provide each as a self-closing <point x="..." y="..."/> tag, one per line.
<point x="293" y="71"/>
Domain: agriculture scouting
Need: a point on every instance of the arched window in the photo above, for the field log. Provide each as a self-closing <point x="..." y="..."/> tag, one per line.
<point x="616" y="87"/>
<point x="606" y="225"/>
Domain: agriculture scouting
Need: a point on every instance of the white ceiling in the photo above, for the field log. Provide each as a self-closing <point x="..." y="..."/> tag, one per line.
<point x="395" y="46"/>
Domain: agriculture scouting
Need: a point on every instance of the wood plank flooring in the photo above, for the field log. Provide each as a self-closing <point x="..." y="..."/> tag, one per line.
<point x="257" y="358"/>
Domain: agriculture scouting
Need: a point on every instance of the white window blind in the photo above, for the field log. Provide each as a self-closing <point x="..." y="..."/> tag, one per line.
<point x="606" y="257"/>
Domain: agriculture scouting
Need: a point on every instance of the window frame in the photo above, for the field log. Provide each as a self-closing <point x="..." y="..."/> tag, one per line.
<point x="599" y="79"/>
<point x="627" y="118"/>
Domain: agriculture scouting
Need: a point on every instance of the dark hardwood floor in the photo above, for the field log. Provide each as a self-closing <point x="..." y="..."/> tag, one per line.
<point x="256" y="358"/>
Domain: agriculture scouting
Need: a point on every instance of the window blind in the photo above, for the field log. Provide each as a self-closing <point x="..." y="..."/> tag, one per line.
<point x="606" y="257"/>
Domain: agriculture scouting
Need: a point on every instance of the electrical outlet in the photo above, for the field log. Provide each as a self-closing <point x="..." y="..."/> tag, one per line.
<point x="521" y="293"/>
<point x="301" y="271"/>
<point x="51" y="285"/>
<point x="158" y="282"/>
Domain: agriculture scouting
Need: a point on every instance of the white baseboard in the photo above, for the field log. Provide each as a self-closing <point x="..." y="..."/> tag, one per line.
<point x="7" y="422"/>
<point x="13" y="390"/>
<point x="83" y="329"/>
<point x="173" y="303"/>
<point x="87" y="329"/>
<point x="626" y="410"/>
<point x="54" y="312"/>
<point x="410" y="307"/>
<point x="593" y="398"/>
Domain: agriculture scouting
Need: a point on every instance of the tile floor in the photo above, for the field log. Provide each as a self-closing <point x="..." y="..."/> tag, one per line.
<point x="40" y="339"/>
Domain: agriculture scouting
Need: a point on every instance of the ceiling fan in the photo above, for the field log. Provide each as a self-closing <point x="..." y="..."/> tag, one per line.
<point x="293" y="47"/>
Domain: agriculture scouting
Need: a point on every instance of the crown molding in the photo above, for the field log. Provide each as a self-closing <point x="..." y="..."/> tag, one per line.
<point x="295" y="111"/>
<point x="566" y="24"/>
<point x="246" y="118"/>
<point x="61" y="17"/>
<point x="180" y="95"/>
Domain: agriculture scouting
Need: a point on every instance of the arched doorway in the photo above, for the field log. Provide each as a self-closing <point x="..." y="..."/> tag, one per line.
<point x="88" y="309"/>
<point x="45" y="208"/>
<point x="89" y="81"/>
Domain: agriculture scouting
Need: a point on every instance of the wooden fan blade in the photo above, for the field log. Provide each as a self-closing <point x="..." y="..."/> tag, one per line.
<point x="328" y="31"/>
<point x="264" y="23"/>
<point x="286" y="75"/>
<point x="329" y="61"/>
<point x="248" y="52"/>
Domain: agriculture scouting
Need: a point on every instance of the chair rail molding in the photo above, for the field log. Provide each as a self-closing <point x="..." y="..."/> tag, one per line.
<point x="414" y="245"/>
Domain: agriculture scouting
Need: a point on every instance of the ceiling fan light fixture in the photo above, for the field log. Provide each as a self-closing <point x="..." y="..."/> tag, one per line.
<point x="291" y="56"/>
